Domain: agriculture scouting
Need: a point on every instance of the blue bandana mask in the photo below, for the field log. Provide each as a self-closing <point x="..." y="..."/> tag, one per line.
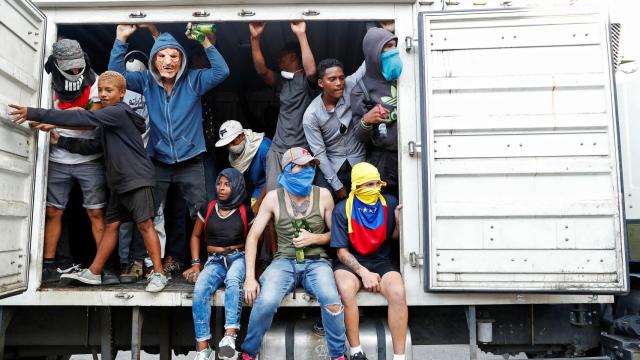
<point x="300" y="183"/>
<point x="391" y="64"/>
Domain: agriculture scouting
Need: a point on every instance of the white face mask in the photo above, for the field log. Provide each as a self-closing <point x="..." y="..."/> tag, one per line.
<point x="237" y="149"/>
<point x="287" y="75"/>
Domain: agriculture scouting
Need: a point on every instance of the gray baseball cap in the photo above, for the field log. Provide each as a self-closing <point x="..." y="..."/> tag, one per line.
<point x="68" y="54"/>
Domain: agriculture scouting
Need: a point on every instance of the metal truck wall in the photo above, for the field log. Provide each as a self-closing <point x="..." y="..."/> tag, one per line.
<point x="21" y="52"/>
<point x="521" y="167"/>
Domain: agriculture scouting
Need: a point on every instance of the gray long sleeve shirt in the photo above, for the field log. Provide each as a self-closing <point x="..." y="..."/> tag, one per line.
<point x="322" y="130"/>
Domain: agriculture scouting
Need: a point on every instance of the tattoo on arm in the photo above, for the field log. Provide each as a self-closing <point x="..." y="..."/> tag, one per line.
<point x="350" y="261"/>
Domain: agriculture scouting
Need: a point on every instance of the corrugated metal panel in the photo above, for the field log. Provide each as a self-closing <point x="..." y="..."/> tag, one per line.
<point x="21" y="52"/>
<point x="522" y="170"/>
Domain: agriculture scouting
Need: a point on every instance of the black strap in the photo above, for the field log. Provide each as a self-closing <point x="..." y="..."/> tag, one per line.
<point x="382" y="340"/>
<point x="365" y="92"/>
<point x="289" y="340"/>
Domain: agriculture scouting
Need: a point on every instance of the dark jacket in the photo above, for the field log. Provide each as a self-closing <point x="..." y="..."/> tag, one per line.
<point x="381" y="151"/>
<point x="126" y="160"/>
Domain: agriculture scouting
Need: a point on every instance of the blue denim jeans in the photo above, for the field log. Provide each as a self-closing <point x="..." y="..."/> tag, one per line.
<point x="281" y="278"/>
<point x="214" y="274"/>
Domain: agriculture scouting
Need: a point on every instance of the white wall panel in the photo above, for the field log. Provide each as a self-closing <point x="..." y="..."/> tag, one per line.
<point x="522" y="157"/>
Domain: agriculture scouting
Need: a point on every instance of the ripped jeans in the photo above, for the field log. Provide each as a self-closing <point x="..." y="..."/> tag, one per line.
<point x="214" y="274"/>
<point x="281" y="278"/>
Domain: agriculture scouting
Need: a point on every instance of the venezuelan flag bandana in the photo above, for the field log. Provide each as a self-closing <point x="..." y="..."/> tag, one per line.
<point x="366" y="211"/>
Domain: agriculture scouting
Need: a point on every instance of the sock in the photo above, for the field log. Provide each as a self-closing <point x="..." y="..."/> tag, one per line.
<point x="49" y="262"/>
<point x="398" y="357"/>
<point x="148" y="262"/>
<point x="355" y="350"/>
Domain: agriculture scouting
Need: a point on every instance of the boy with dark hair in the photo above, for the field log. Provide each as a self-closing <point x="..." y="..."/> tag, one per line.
<point x="329" y="130"/>
<point x="297" y="70"/>
<point x="130" y="173"/>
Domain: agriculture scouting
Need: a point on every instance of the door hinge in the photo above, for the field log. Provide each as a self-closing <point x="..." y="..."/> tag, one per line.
<point x="415" y="259"/>
<point x="138" y="15"/>
<point x="414" y="148"/>
<point x="124" y="295"/>
<point x="410" y="43"/>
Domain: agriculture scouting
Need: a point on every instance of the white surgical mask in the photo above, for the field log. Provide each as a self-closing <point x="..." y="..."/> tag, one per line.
<point x="287" y="75"/>
<point x="237" y="149"/>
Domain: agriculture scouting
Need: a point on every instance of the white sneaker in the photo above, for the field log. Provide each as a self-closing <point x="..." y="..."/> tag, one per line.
<point x="206" y="354"/>
<point x="157" y="282"/>
<point x="84" y="276"/>
<point x="227" y="348"/>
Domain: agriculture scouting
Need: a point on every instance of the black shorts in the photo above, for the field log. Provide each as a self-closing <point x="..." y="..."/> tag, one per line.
<point x="136" y="205"/>
<point x="379" y="267"/>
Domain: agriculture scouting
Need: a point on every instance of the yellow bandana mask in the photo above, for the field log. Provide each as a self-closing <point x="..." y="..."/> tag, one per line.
<point x="363" y="173"/>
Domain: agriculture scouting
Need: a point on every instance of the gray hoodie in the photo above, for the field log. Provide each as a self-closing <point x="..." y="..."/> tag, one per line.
<point x="381" y="151"/>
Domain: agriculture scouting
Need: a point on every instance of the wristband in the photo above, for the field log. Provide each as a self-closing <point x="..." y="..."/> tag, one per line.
<point x="195" y="262"/>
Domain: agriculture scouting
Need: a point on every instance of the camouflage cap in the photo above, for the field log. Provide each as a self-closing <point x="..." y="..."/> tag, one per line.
<point x="68" y="54"/>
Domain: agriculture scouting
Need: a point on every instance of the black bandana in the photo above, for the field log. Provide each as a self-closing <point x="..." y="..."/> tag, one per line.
<point x="65" y="90"/>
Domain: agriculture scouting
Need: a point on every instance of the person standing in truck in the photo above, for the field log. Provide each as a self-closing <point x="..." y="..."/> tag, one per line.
<point x="363" y="227"/>
<point x="74" y="86"/>
<point x="297" y="70"/>
<point x="374" y="104"/>
<point x="329" y="130"/>
<point x="302" y="216"/>
<point x="172" y="93"/>
<point x="128" y="167"/>
<point x="225" y="222"/>
<point x="248" y="153"/>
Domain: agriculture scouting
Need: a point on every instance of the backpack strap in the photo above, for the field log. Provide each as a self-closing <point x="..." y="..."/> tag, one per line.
<point x="243" y="214"/>
<point x="365" y="92"/>
<point x="212" y="204"/>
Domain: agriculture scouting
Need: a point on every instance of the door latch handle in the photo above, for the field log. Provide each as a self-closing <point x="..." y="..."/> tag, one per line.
<point x="414" y="148"/>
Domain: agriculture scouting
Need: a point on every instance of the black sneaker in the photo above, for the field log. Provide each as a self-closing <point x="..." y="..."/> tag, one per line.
<point x="359" y="356"/>
<point x="50" y="274"/>
<point x="109" y="277"/>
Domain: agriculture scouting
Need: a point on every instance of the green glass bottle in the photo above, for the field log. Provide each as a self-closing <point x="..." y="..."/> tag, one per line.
<point x="296" y="233"/>
<point x="204" y="28"/>
<point x="198" y="31"/>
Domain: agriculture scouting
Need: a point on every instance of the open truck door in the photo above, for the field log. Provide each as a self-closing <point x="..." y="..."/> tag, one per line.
<point x="521" y="166"/>
<point x="21" y="61"/>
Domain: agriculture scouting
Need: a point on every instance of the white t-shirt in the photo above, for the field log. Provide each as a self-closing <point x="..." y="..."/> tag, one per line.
<point x="63" y="156"/>
<point x="138" y="104"/>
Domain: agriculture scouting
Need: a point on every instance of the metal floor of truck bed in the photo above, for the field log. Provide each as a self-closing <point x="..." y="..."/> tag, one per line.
<point x="175" y="284"/>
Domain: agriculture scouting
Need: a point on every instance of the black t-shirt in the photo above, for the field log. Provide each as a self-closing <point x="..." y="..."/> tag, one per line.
<point x="228" y="231"/>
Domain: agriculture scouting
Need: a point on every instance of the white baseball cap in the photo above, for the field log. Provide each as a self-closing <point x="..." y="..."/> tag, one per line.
<point x="229" y="130"/>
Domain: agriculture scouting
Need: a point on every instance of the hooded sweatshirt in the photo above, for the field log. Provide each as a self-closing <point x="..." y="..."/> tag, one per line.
<point x="176" y="120"/>
<point x="127" y="163"/>
<point x="382" y="152"/>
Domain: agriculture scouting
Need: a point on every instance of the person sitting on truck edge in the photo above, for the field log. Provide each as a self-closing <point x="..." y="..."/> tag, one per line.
<point x="329" y="130"/>
<point x="363" y="227"/>
<point x="293" y="86"/>
<point x="247" y="153"/>
<point x="302" y="213"/>
<point x="225" y="222"/>
<point x="129" y="172"/>
<point x="374" y="104"/>
<point x="74" y="85"/>
<point x="173" y="99"/>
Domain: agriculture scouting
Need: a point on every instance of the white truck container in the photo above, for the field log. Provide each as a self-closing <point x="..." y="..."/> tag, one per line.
<point x="510" y="168"/>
